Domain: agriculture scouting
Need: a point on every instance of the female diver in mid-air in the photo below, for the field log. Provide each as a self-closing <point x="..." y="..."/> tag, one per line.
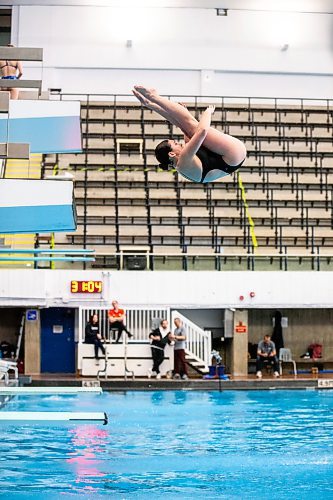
<point x="208" y="154"/>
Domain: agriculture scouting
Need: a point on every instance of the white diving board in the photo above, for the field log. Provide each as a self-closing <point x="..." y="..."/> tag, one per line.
<point x="53" y="416"/>
<point x="48" y="126"/>
<point x="36" y="206"/>
<point x="48" y="390"/>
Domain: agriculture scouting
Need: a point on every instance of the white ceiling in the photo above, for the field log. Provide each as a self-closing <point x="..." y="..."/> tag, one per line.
<point x="324" y="6"/>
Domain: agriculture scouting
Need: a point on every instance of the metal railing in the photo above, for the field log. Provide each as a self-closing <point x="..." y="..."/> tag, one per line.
<point x="248" y="103"/>
<point x="219" y="259"/>
<point x="5" y="368"/>
<point x="198" y="342"/>
<point x="139" y="321"/>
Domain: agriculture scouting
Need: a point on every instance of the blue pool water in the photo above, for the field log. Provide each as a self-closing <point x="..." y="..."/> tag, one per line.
<point x="174" y="444"/>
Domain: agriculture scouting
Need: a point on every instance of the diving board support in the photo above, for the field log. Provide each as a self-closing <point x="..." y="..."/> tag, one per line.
<point x="4" y="102"/>
<point x="53" y="416"/>
<point x="49" y="390"/>
<point x="15" y="151"/>
<point x="21" y="84"/>
<point x="21" y="53"/>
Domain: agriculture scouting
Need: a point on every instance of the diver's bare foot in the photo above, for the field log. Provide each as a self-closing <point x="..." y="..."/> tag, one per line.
<point x="148" y="93"/>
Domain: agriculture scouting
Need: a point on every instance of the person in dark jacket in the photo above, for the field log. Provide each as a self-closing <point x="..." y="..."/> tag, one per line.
<point x="277" y="336"/>
<point x="159" y="338"/>
<point x="93" y="336"/>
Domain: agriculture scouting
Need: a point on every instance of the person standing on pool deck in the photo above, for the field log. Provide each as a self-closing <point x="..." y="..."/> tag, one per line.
<point x="117" y="320"/>
<point x="159" y="338"/>
<point x="179" y="336"/>
<point x="208" y="154"/>
<point x="266" y="353"/>
<point x="11" y="70"/>
<point x="92" y="336"/>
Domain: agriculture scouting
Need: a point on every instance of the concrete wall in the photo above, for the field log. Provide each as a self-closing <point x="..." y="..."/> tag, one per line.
<point x="85" y="50"/>
<point x="305" y="326"/>
<point x="207" y="319"/>
<point x="175" y="289"/>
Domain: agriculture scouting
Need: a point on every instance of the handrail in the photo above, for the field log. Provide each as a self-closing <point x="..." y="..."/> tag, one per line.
<point x="195" y="97"/>
<point x="210" y="255"/>
<point x="283" y="258"/>
<point x="5" y="367"/>
<point x="198" y="341"/>
<point x="46" y="255"/>
<point x="47" y="259"/>
<point x="138" y="320"/>
<point x="47" y="250"/>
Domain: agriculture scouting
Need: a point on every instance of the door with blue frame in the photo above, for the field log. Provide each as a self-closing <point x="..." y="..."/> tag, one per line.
<point x="57" y="340"/>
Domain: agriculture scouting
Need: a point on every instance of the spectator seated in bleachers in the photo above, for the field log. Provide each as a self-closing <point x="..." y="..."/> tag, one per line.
<point x="266" y="354"/>
<point x="208" y="153"/>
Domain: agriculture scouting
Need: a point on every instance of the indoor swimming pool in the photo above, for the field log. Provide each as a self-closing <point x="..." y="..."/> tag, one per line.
<point x="173" y="444"/>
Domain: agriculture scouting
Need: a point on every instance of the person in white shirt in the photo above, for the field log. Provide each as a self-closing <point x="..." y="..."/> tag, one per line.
<point x="179" y="336"/>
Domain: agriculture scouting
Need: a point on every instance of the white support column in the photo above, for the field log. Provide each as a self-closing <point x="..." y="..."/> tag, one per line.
<point x="239" y="348"/>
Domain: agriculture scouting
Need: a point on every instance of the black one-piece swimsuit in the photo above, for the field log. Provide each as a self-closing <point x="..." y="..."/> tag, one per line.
<point x="211" y="161"/>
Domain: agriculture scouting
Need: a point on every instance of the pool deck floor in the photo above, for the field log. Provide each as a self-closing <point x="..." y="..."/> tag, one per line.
<point x="235" y="383"/>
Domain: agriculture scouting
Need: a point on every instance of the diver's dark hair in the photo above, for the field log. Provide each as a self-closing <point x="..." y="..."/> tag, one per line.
<point x="162" y="151"/>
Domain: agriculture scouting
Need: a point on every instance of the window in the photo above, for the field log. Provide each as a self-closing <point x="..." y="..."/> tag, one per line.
<point x="5" y="25"/>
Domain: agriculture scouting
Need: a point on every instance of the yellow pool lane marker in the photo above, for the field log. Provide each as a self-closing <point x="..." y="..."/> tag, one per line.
<point x="249" y="218"/>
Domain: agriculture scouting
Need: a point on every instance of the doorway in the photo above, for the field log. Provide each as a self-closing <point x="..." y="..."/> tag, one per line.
<point x="57" y="340"/>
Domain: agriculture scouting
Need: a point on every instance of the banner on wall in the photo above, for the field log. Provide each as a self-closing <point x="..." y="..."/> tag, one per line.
<point x="48" y="126"/>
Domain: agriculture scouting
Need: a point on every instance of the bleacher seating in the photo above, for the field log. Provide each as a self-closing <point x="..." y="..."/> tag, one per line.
<point x="123" y="198"/>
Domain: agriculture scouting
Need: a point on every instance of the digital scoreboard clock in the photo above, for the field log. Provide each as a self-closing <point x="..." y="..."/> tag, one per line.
<point x="86" y="286"/>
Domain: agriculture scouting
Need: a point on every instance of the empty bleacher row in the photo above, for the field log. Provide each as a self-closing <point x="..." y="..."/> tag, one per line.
<point x="124" y="200"/>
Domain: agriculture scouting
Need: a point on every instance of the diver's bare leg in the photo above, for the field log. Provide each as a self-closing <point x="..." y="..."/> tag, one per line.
<point x="178" y="114"/>
<point x="155" y="107"/>
<point x="232" y="149"/>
